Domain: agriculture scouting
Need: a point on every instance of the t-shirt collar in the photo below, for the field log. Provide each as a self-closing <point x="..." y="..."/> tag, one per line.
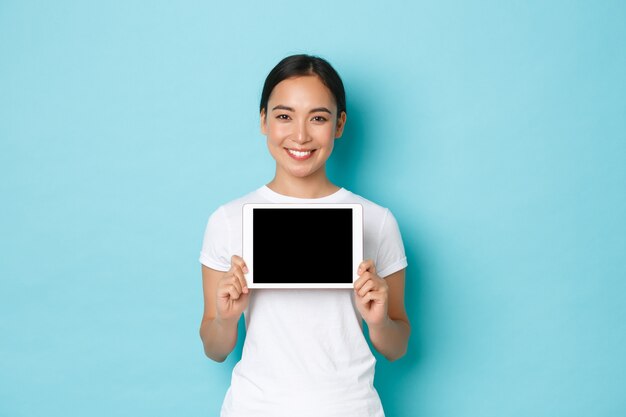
<point x="275" y="197"/>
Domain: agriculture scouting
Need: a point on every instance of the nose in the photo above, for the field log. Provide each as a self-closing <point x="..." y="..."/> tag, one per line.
<point x="301" y="135"/>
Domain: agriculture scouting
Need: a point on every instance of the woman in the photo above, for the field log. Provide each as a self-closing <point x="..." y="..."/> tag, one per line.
<point x="304" y="351"/>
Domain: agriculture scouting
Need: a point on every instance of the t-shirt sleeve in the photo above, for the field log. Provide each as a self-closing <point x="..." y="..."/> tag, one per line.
<point x="390" y="257"/>
<point x="215" y="251"/>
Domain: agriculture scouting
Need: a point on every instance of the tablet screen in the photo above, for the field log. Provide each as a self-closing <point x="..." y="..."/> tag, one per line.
<point x="302" y="245"/>
<point x="312" y="246"/>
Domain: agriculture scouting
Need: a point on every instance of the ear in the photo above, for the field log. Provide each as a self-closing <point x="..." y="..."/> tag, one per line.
<point x="341" y="123"/>
<point x="263" y="120"/>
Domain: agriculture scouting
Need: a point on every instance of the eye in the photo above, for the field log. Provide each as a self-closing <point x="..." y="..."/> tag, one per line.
<point x="283" y="117"/>
<point x="319" y="119"/>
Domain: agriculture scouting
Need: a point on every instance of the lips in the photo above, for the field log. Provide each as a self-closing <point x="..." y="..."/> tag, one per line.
<point x="300" y="154"/>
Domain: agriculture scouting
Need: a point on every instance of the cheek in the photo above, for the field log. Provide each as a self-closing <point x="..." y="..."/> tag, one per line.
<point x="327" y="132"/>
<point x="277" y="131"/>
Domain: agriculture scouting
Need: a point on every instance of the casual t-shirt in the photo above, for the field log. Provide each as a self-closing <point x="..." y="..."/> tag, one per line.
<point x="304" y="353"/>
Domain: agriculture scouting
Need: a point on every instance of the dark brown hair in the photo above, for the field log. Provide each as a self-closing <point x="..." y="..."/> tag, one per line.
<point x="301" y="65"/>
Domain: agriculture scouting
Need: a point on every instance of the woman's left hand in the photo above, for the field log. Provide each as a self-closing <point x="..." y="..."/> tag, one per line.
<point x="371" y="294"/>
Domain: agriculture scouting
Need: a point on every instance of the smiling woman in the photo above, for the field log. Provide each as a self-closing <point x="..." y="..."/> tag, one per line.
<point x="305" y="352"/>
<point x="301" y="126"/>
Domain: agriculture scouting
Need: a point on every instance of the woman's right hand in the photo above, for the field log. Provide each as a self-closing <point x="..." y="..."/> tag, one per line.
<point x="232" y="291"/>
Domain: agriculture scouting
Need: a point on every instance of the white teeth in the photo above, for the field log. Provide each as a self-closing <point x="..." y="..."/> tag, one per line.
<point x="299" y="154"/>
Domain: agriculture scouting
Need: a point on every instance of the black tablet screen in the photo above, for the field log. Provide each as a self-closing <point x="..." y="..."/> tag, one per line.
<point x="302" y="245"/>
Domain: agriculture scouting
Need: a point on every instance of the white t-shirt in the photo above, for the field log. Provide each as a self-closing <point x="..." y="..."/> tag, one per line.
<point x="304" y="353"/>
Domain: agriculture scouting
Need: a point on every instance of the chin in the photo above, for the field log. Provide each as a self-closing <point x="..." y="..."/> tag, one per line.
<point x="301" y="175"/>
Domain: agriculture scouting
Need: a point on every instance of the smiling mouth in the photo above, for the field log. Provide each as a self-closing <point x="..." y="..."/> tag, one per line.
<point x="300" y="155"/>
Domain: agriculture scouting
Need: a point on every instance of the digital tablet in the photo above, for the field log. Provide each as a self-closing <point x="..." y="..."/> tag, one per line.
<point x="302" y="245"/>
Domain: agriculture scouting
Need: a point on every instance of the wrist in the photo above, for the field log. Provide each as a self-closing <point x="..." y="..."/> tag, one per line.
<point x="380" y="325"/>
<point x="225" y="322"/>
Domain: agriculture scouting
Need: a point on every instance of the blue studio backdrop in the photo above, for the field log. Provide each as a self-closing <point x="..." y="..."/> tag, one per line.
<point x="495" y="131"/>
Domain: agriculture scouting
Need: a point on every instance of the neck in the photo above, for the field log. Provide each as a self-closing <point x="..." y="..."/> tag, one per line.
<point x="313" y="186"/>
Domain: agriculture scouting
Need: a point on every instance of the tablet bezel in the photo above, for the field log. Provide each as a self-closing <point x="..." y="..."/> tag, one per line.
<point x="248" y="253"/>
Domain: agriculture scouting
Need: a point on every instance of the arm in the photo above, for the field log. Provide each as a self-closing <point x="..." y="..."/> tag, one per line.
<point x="225" y="298"/>
<point x="381" y="303"/>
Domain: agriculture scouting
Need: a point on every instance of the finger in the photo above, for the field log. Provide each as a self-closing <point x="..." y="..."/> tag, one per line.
<point x="367" y="298"/>
<point x="366" y="265"/>
<point x="241" y="280"/>
<point x="367" y="287"/>
<point x="239" y="274"/>
<point x="229" y="277"/>
<point x="375" y="297"/>
<point x="222" y="291"/>
<point x="235" y="282"/>
<point x="361" y="281"/>
<point x="380" y="297"/>
<point x="235" y="272"/>
<point x="234" y="293"/>
<point x="227" y="291"/>
<point x="238" y="260"/>
<point x="367" y="276"/>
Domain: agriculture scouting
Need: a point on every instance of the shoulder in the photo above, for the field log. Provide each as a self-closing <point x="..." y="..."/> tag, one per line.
<point x="232" y="209"/>
<point x="378" y="220"/>
<point x="382" y="240"/>
<point x="371" y="211"/>
<point x="222" y="236"/>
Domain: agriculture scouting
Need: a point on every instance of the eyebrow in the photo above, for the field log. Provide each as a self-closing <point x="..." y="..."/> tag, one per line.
<point x="315" y="110"/>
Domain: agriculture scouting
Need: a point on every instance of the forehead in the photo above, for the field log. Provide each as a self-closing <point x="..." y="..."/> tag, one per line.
<point x="303" y="90"/>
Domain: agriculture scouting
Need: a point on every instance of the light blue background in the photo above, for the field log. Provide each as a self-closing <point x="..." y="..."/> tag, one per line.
<point x="495" y="131"/>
